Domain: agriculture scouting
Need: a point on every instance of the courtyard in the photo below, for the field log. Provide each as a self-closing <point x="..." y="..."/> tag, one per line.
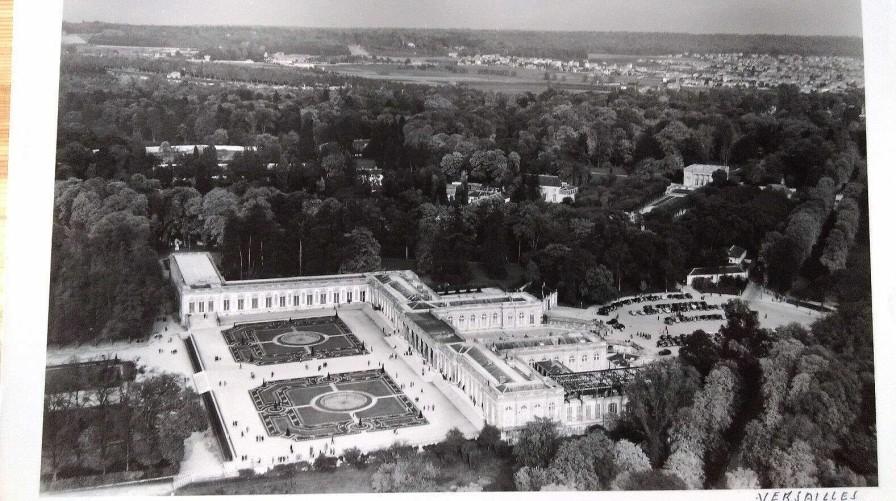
<point x="289" y="407"/>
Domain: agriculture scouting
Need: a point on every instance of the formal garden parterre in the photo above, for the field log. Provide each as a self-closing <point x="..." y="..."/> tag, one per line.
<point x="333" y="405"/>
<point x="292" y="340"/>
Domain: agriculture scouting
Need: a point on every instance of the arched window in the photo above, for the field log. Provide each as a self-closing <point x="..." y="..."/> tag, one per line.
<point x="551" y="408"/>
<point x="572" y="359"/>
<point x="451" y="320"/>
<point x="484" y="319"/>
<point x="495" y="318"/>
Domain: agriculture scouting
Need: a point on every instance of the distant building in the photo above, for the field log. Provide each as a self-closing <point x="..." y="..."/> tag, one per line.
<point x="476" y="192"/>
<point x="556" y="191"/>
<point x="366" y="170"/>
<point x="736" y="254"/>
<point x="174" y="75"/>
<point x="170" y="154"/>
<point x="714" y="274"/>
<point x="698" y="175"/>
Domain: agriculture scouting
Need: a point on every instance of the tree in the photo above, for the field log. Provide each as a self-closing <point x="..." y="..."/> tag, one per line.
<point x="489" y="437"/>
<point x="628" y="457"/>
<point x="218" y="207"/>
<point x="700" y="351"/>
<point x="404" y="475"/>
<point x="354" y="457"/>
<point x="652" y="480"/>
<point x="586" y="464"/>
<point x="361" y="252"/>
<point x="742" y="478"/>
<point x="686" y="462"/>
<point x="95" y="442"/>
<point x="599" y="286"/>
<point x="793" y="467"/>
<point x="654" y="397"/>
<point x="452" y="165"/>
<point x="537" y="443"/>
<point x="530" y="478"/>
<point x="454" y="441"/>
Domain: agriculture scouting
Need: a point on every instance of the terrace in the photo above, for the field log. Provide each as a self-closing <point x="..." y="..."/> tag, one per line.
<point x="604" y="382"/>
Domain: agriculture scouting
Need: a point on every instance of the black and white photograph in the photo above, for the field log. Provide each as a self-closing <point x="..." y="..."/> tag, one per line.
<point x="301" y="247"/>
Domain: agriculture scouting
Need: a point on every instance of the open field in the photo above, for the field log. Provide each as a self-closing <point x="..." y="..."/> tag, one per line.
<point x="526" y="80"/>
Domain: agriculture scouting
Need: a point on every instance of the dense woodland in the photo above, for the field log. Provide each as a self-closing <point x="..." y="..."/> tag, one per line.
<point x="124" y="431"/>
<point x="295" y="183"/>
<point x="252" y="42"/>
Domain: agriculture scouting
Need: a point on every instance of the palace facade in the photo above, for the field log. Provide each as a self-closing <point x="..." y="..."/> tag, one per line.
<point x="491" y="345"/>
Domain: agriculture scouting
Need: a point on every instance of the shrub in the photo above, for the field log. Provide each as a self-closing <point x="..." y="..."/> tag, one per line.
<point x="325" y="463"/>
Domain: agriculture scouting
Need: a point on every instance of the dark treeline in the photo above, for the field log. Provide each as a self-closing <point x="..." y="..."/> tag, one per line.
<point x="248" y="42"/>
<point x="291" y="201"/>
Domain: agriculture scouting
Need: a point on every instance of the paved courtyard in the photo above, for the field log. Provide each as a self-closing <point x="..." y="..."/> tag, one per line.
<point x="771" y="314"/>
<point x="368" y="400"/>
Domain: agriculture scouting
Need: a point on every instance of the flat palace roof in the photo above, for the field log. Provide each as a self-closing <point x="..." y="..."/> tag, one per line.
<point x="197" y="268"/>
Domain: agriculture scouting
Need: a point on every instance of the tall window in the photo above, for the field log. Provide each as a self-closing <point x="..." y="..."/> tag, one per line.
<point x="239" y="304"/>
<point x="579" y="413"/>
<point x="323" y="298"/>
<point x="348" y="296"/>
<point x="268" y="302"/>
<point x="283" y="301"/>
<point x="584" y="358"/>
<point x="192" y="307"/>
<point x="308" y="299"/>
<point x="254" y="303"/>
<point x="495" y="319"/>
<point x="362" y="296"/>
<point x="531" y="319"/>
<point x="336" y="297"/>
<point x="211" y="306"/>
<point x="569" y="413"/>
<point x="484" y="319"/>
<point x="295" y="300"/>
<point x="588" y="412"/>
<point x="613" y="409"/>
<point x="226" y="305"/>
<point x="201" y="307"/>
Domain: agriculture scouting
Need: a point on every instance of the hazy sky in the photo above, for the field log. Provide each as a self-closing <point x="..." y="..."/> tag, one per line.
<point x="797" y="17"/>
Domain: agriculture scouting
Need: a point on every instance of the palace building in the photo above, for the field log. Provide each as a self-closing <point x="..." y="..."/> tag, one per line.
<point x="493" y="346"/>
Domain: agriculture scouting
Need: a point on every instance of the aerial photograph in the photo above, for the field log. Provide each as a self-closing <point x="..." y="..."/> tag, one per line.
<point x="369" y="247"/>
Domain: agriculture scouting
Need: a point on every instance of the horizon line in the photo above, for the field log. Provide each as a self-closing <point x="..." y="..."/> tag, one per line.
<point x="531" y="30"/>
